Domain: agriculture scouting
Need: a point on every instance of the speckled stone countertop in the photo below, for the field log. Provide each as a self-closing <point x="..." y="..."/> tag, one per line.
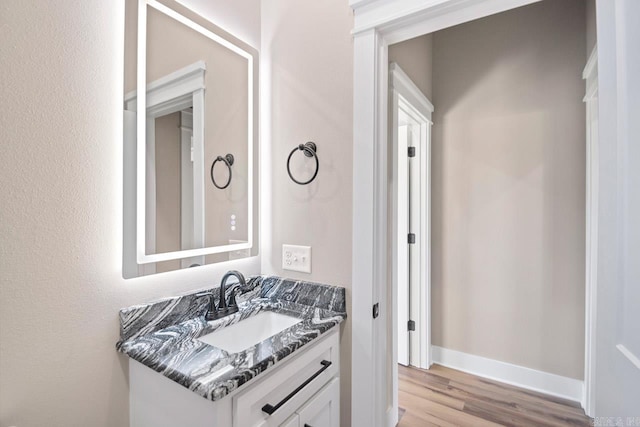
<point x="163" y="335"/>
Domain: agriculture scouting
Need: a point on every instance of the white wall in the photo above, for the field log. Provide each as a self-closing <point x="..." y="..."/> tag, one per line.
<point x="61" y="217"/>
<point x="310" y="79"/>
<point x="508" y="207"/>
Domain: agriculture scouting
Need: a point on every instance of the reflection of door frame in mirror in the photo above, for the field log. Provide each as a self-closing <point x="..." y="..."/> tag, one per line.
<point x="141" y="129"/>
<point x="192" y="221"/>
<point x="176" y="92"/>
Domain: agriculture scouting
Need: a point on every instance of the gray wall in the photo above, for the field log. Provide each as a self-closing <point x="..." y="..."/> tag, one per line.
<point x="415" y="58"/>
<point x="592" y="37"/>
<point x="168" y="194"/>
<point x="308" y="68"/>
<point x="509" y="187"/>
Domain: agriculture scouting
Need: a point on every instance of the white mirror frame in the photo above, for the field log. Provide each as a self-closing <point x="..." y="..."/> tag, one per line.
<point x="141" y="255"/>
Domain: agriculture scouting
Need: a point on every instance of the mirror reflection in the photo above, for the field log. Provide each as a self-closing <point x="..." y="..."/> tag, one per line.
<point x="198" y="200"/>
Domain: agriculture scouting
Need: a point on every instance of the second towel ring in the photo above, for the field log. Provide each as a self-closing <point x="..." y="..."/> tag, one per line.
<point x="228" y="161"/>
<point x="310" y="150"/>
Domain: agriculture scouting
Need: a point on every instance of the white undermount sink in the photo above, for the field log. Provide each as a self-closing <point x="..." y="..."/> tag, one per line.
<point x="250" y="331"/>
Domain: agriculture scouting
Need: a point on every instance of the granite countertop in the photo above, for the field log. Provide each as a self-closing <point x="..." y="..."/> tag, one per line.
<point x="164" y="335"/>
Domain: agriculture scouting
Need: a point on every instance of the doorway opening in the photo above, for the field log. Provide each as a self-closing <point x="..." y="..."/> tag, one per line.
<point x="512" y="179"/>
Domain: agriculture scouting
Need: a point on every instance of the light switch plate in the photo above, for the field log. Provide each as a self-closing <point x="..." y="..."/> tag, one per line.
<point x="296" y="258"/>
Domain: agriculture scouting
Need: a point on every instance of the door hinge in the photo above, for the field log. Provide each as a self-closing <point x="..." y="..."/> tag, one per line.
<point x="412" y="238"/>
<point x="376" y="310"/>
<point x="412" y="151"/>
<point x="411" y="325"/>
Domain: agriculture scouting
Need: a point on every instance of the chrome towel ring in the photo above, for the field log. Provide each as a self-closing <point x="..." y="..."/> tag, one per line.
<point x="228" y="161"/>
<point x="310" y="150"/>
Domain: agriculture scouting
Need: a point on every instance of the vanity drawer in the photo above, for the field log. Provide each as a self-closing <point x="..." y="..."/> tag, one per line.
<point x="289" y="386"/>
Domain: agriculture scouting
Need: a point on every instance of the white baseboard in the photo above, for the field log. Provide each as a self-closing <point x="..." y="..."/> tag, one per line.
<point x="531" y="379"/>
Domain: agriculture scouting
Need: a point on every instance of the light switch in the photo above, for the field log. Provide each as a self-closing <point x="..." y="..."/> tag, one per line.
<point x="296" y="258"/>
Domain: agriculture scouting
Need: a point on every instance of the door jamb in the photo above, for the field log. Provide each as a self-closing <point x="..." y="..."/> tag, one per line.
<point x="404" y="91"/>
<point x="590" y="75"/>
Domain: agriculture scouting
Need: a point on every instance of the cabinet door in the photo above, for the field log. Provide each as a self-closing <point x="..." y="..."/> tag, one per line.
<point x="323" y="409"/>
<point x="289" y="386"/>
<point x="293" y="421"/>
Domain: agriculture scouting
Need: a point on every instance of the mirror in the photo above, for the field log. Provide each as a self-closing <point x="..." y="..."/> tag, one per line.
<point x="189" y="196"/>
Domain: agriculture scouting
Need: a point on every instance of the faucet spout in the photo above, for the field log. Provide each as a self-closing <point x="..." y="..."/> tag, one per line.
<point x="223" y="307"/>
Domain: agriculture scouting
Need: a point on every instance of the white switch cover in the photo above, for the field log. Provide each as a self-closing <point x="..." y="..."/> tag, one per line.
<point x="296" y="258"/>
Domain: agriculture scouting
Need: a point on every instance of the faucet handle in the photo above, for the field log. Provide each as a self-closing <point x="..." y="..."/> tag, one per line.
<point x="232" y="298"/>
<point x="211" y="311"/>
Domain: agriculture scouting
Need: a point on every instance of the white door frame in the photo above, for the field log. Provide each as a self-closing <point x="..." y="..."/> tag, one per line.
<point x="590" y="75"/>
<point x="192" y="227"/>
<point x="377" y="24"/>
<point x="406" y="96"/>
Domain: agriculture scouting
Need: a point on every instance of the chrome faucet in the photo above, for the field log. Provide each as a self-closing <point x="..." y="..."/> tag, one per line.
<point x="224" y="307"/>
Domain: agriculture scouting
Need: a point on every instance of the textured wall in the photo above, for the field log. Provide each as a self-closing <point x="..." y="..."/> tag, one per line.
<point x="61" y="287"/>
<point x="311" y="82"/>
<point x="509" y="187"/>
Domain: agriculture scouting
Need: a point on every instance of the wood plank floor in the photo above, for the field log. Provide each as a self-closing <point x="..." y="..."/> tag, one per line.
<point x="446" y="397"/>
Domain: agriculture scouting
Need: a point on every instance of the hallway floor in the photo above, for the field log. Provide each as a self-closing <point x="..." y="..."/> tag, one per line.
<point x="446" y="397"/>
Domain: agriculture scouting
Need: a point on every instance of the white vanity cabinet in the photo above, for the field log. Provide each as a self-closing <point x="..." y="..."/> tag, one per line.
<point x="303" y="390"/>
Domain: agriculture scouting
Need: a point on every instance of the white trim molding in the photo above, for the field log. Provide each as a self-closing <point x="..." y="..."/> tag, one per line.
<point x="519" y="376"/>
<point x="400" y="20"/>
<point x="407" y="97"/>
<point x="401" y="82"/>
<point x="167" y="91"/>
<point x="590" y="75"/>
<point x="370" y="250"/>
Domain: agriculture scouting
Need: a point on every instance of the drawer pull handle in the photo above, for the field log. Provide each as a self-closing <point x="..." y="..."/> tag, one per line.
<point x="270" y="409"/>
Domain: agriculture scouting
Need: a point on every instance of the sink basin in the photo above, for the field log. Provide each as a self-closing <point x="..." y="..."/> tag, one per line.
<point x="250" y="331"/>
